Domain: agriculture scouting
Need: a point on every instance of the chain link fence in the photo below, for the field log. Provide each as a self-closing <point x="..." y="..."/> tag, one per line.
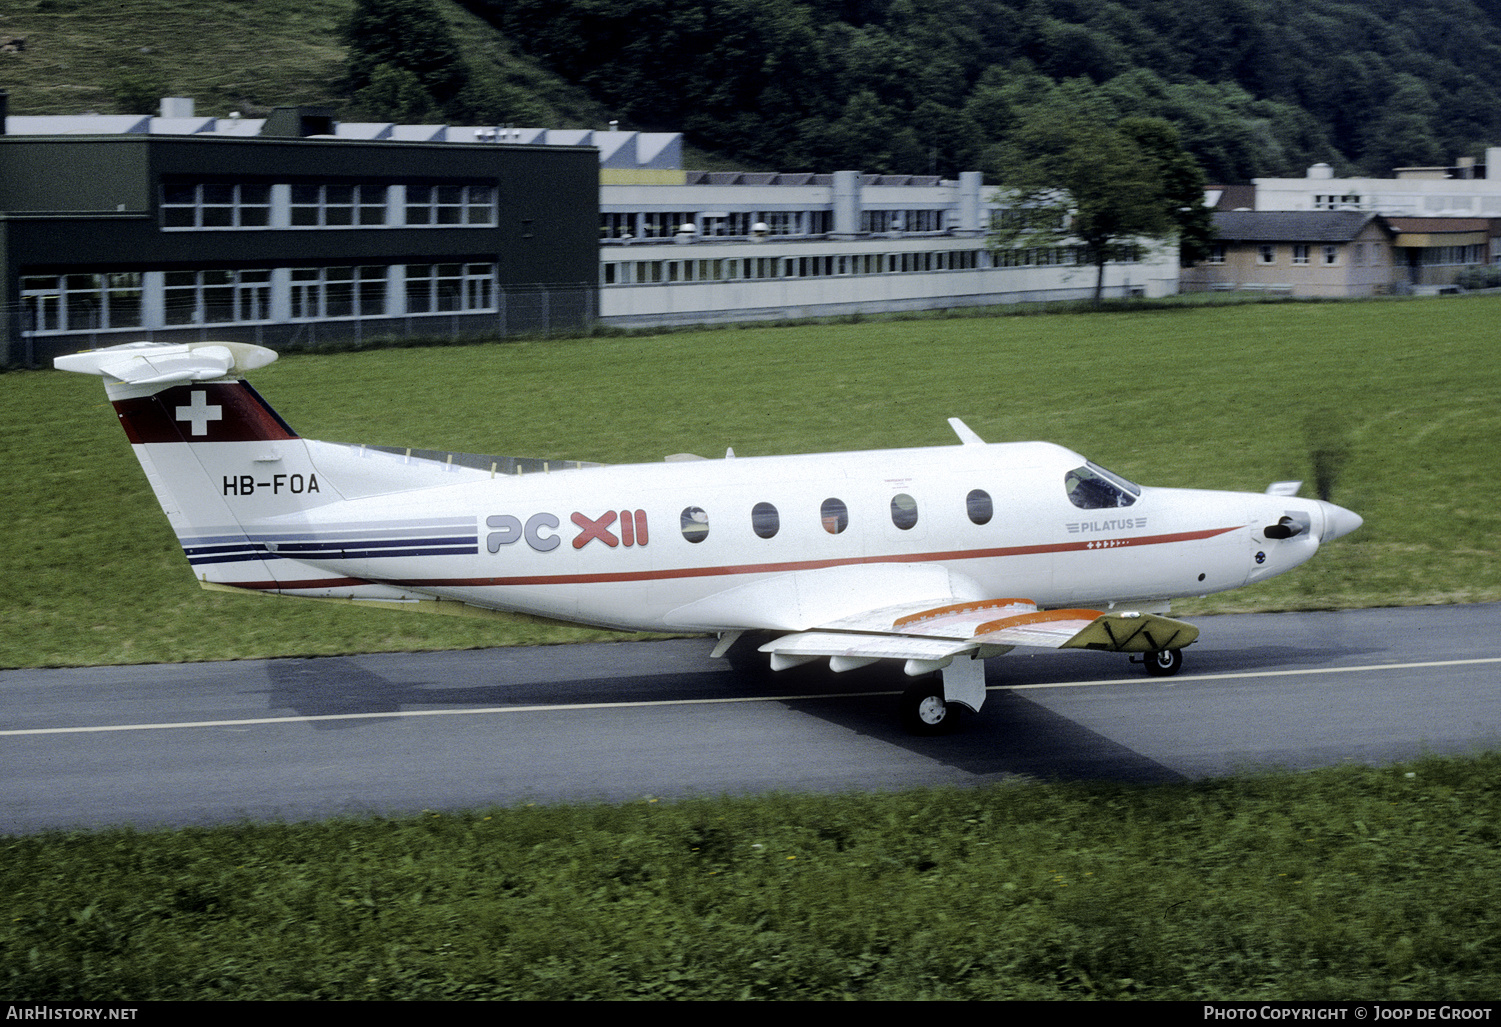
<point x="35" y="333"/>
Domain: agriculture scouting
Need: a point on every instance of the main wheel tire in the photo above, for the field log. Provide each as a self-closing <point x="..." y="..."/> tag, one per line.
<point x="924" y="711"/>
<point x="1164" y="663"/>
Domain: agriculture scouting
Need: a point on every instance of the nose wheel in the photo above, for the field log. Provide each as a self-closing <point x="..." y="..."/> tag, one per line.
<point x="1164" y="663"/>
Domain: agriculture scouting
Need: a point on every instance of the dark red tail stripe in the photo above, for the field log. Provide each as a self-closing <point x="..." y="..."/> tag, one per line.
<point x="219" y="411"/>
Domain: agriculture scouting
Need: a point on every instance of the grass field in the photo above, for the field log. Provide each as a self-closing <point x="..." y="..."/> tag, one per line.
<point x="1205" y="397"/>
<point x="1346" y="884"/>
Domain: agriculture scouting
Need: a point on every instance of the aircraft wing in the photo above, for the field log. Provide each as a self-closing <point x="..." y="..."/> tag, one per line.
<point x="929" y="636"/>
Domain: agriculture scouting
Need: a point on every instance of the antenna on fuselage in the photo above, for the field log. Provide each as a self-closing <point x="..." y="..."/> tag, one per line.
<point x="965" y="432"/>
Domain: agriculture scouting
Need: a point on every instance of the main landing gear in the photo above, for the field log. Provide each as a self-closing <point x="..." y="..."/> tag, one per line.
<point x="924" y="711"/>
<point x="1164" y="663"/>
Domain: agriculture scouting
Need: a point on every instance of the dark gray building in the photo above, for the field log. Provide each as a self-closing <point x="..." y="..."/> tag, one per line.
<point x="288" y="239"/>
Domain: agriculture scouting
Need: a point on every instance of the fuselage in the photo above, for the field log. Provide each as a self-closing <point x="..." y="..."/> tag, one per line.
<point x="650" y="546"/>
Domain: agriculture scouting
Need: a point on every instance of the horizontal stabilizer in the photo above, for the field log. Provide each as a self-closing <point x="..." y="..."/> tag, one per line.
<point x="154" y="363"/>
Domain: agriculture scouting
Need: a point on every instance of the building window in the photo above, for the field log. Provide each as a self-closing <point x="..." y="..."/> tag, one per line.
<point x="75" y="303"/>
<point x="216" y="297"/>
<point x="1217" y="253"/>
<point x="658" y="224"/>
<point x="730" y="225"/>
<point x="782" y="222"/>
<point x="449" y="288"/>
<point x="1300" y="253"/>
<point x="338" y="206"/>
<point x="1266" y="253"/>
<point x="616" y="226"/>
<point x="1331" y="254"/>
<point x="319" y="292"/>
<point x="451" y="206"/>
<point x="192" y="205"/>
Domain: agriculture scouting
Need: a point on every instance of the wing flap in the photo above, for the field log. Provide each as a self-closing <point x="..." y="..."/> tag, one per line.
<point x="859" y="646"/>
<point x="937" y="617"/>
<point x="1048" y="629"/>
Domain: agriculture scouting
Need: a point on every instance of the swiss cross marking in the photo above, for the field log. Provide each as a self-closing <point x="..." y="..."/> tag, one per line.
<point x="200" y="413"/>
<point x="595" y="529"/>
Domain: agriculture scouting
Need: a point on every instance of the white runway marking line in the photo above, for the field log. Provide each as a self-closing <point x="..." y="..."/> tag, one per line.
<point x="556" y="707"/>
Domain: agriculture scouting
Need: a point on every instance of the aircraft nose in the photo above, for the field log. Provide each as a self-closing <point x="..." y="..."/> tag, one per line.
<point x="1338" y="521"/>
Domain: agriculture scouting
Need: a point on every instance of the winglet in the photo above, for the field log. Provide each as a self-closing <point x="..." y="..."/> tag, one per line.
<point x="1283" y="488"/>
<point x="155" y="363"/>
<point x="965" y="432"/>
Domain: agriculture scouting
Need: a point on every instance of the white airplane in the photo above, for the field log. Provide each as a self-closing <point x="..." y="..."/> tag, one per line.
<point x="920" y="556"/>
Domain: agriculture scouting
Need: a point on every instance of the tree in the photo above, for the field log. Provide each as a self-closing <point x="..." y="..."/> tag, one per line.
<point x="395" y="94"/>
<point x="1402" y="133"/>
<point x="1182" y="185"/>
<point x="408" y="35"/>
<point x="1069" y="175"/>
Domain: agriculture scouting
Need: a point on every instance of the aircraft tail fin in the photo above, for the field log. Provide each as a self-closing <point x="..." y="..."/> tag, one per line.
<point x="225" y="467"/>
<point x="251" y="500"/>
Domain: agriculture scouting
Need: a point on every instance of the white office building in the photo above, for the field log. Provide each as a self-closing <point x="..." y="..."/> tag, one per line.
<point x="734" y="247"/>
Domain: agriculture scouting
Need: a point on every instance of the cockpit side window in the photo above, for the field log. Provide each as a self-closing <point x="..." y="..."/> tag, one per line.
<point x="1091" y="487"/>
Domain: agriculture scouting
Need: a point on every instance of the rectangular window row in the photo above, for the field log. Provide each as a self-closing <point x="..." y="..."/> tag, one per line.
<point x="1302" y="254"/>
<point x="665" y="226"/>
<point x="1452" y="255"/>
<point x="82" y="302"/>
<point x="656" y="272"/>
<point x="207" y="205"/>
<point x="882" y="222"/>
<point x="216" y="205"/>
<point x="1041" y="256"/>
<point x="77" y="303"/>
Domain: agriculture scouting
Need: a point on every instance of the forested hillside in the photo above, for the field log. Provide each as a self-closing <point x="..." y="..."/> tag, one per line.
<point x="1255" y="87"/>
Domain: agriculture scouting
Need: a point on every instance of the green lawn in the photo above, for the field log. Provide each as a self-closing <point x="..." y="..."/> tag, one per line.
<point x="1347" y="883"/>
<point x="1205" y="397"/>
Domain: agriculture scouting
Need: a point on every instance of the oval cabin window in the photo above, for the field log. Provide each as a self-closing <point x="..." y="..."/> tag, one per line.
<point x="903" y="511"/>
<point x="979" y="507"/>
<point x="695" y="524"/>
<point x="835" y="516"/>
<point x="765" y="520"/>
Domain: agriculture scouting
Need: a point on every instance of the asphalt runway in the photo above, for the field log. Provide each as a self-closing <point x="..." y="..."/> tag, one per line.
<point x="300" y="739"/>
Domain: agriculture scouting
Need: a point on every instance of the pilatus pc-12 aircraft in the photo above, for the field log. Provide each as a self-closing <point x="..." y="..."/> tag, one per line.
<point x="933" y="558"/>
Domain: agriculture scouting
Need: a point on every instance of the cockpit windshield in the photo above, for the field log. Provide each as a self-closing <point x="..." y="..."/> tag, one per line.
<point x="1091" y="487"/>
